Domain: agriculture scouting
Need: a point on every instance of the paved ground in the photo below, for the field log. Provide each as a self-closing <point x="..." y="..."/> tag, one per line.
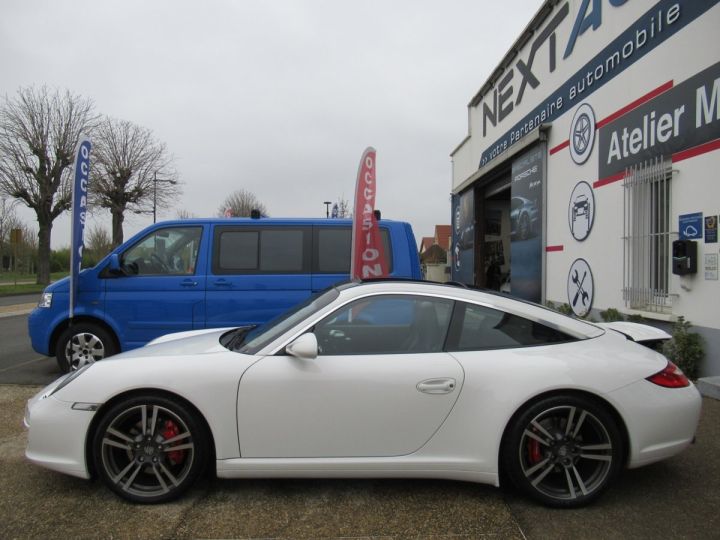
<point x="19" y="364"/>
<point x="675" y="499"/>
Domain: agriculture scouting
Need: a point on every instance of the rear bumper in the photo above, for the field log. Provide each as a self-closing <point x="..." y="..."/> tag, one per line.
<point x="663" y="422"/>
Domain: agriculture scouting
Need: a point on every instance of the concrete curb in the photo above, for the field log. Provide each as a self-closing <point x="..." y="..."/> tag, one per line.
<point x="18" y="309"/>
<point x="709" y="387"/>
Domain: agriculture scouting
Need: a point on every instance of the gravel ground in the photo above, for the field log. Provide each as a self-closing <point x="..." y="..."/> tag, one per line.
<point x="675" y="499"/>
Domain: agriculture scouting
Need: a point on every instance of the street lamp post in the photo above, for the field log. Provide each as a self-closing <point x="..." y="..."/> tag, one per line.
<point x="327" y="208"/>
<point x="155" y="183"/>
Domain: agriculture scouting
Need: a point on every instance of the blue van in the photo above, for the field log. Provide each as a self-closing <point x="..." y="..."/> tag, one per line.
<point x="201" y="273"/>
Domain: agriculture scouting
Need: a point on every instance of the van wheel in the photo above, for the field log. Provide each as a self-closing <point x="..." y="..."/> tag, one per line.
<point x="83" y="343"/>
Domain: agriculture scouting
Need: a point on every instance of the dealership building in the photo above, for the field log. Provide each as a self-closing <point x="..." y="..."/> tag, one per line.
<point x="590" y="174"/>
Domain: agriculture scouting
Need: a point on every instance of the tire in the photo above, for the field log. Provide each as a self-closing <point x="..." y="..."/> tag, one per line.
<point x="563" y="451"/>
<point x="83" y="343"/>
<point x="154" y="463"/>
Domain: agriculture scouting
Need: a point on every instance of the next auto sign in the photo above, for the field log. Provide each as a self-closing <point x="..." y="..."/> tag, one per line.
<point x="658" y="24"/>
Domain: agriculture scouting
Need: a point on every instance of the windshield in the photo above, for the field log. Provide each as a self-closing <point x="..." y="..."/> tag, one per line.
<point x="250" y="342"/>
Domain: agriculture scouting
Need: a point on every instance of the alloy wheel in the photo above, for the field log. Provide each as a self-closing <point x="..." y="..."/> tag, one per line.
<point x="566" y="453"/>
<point x="84" y="348"/>
<point x="147" y="452"/>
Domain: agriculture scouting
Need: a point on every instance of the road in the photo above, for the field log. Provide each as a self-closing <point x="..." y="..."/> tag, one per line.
<point x="19" y="364"/>
<point x="18" y="299"/>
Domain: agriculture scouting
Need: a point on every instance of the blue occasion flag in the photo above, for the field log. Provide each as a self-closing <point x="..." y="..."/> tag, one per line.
<point x="79" y="212"/>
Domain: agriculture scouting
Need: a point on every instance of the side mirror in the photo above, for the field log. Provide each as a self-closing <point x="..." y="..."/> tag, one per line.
<point x="305" y="347"/>
<point x="114" y="267"/>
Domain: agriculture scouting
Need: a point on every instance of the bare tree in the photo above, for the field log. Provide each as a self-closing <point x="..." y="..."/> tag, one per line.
<point x="182" y="213"/>
<point x="241" y="203"/>
<point x="130" y="171"/>
<point x="27" y="250"/>
<point x="8" y="222"/>
<point x="39" y="130"/>
<point x="343" y="206"/>
<point x="98" y="243"/>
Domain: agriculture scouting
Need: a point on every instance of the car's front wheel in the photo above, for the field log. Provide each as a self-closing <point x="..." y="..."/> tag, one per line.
<point x="563" y="450"/>
<point x="150" y="449"/>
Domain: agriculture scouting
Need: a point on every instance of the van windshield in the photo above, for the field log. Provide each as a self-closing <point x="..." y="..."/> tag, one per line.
<point x="249" y="340"/>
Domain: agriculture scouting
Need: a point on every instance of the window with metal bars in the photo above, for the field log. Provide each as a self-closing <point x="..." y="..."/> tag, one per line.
<point x="646" y="236"/>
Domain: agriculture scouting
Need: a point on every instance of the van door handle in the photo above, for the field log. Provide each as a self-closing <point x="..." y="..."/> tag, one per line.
<point x="222" y="283"/>
<point x="436" y="386"/>
<point x="188" y="283"/>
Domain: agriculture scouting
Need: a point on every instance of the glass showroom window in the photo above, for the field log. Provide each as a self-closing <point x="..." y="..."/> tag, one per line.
<point x="646" y="236"/>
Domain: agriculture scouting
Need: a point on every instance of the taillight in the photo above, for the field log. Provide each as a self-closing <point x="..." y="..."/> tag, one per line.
<point x="670" y="377"/>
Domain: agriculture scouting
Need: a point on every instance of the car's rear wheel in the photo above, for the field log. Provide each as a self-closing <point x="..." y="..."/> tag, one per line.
<point x="150" y="449"/>
<point x="563" y="450"/>
<point x="83" y="343"/>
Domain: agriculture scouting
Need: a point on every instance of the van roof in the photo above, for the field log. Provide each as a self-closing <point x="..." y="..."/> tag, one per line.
<point x="268" y="220"/>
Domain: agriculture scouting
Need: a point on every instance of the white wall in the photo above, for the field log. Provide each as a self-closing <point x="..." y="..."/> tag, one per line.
<point x="695" y="185"/>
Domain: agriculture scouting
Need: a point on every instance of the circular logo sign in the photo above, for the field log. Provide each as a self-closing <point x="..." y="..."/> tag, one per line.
<point x="580" y="287"/>
<point x="581" y="211"/>
<point x="582" y="134"/>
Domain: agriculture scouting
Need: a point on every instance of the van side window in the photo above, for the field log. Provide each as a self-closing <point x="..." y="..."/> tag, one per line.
<point x="332" y="249"/>
<point x="170" y="251"/>
<point x="275" y="250"/>
<point x="239" y="250"/>
<point x="281" y="251"/>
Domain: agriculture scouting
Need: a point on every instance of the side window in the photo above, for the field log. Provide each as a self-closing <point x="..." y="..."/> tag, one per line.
<point x="171" y="251"/>
<point x="281" y="251"/>
<point x="239" y="250"/>
<point x="478" y="328"/>
<point x="332" y="249"/>
<point x="389" y="324"/>
<point x="276" y="250"/>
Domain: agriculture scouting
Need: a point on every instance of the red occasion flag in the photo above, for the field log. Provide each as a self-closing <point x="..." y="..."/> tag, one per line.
<point x="368" y="257"/>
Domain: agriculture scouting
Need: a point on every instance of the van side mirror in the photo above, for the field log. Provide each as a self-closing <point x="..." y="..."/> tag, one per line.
<point x="114" y="266"/>
<point x="305" y="347"/>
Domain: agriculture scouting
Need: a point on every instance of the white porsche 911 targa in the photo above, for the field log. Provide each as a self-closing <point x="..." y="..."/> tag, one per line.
<point x="384" y="379"/>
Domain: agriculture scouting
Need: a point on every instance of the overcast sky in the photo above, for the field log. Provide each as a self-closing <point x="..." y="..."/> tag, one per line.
<point x="277" y="97"/>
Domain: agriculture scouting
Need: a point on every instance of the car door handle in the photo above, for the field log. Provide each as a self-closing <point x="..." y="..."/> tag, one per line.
<point x="436" y="386"/>
<point x="222" y="283"/>
<point x="188" y="283"/>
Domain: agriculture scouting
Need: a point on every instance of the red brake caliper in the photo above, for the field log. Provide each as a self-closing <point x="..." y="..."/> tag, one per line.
<point x="534" y="451"/>
<point x="169" y="431"/>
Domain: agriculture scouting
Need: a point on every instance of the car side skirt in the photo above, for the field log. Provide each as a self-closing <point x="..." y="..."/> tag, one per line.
<point x="392" y="467"/>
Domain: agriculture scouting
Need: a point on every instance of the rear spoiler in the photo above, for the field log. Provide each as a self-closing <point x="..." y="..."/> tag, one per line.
<point x="641" y="333"/>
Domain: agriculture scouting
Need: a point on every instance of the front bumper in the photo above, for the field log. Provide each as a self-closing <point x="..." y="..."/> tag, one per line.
<point x="40" y="329"/>
<point x="57" y="434"/>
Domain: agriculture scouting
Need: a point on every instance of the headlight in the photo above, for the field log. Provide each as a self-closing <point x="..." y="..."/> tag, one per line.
<point x="45" y="300"/>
